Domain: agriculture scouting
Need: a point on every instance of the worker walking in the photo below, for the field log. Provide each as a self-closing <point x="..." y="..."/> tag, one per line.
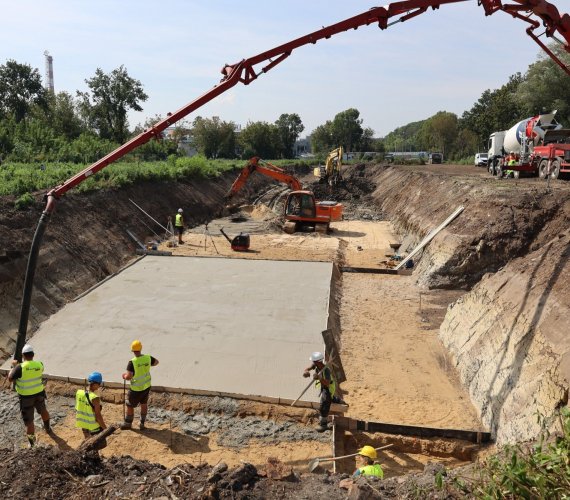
<point x="88" y="416"/>
<point x="138" y="372"/>
<point x="325" y="381"/>
<point x="179" y="225"/>
<point x="365" y="465"/>
<point x="31" y="391"/>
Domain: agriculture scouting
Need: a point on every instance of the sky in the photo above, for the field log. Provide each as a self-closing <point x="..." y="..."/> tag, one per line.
<point x="441" y="60"/>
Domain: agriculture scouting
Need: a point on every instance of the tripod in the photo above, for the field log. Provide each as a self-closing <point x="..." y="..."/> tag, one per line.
<point x="207" y="234"/>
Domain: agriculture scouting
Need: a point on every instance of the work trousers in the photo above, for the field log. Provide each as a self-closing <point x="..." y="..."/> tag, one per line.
<point x="325" y="401"/>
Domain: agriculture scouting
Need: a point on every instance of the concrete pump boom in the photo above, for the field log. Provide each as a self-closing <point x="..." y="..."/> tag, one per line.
<point x="530" y="11"/>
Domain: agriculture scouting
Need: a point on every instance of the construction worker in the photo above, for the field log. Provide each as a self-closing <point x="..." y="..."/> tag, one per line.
<point x="179" y="225"/>
<point x="30" y="389"/>
<point x="325" y="381"/>
<point x="138" y="372"/>
<point x="365" y="465"/>
<point x="511" y="162"/>
<point x="88" y="416"/>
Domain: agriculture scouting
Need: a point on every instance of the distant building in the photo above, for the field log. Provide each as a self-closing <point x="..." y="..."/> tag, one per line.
<point x="184" y="143"/>
<point x="302" y="147"/>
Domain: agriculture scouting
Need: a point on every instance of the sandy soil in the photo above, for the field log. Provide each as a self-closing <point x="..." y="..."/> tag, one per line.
<point x="396" y="367"/>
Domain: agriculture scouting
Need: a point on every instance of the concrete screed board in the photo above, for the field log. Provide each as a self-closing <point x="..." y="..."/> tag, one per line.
<point x="230" y="325"/>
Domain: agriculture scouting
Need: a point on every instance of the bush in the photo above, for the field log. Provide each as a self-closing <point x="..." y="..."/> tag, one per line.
<point x="24" y="201"/>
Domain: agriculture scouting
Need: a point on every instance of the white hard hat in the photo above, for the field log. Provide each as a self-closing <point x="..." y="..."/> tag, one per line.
<point x="180" y="210"/>
<point x="27" y="349"/>
<point x="317" y="356"/>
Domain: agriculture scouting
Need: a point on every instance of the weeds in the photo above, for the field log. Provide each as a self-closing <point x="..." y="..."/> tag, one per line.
<point x="537" y="471"/>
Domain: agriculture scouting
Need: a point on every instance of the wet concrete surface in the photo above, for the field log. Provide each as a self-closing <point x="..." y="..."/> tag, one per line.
<point x="243" y="327"/>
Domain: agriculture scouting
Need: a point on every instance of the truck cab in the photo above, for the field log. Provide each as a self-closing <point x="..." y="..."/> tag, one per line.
<point x="496" y="151"/>
<point x="435" y="158"/>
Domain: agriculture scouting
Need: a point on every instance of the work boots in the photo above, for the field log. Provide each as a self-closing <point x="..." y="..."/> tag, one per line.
<point x="31" y="440"/>
<point x="323" y="425"/>
<point x="127" y="424"/>
<point x="47" y="427"/>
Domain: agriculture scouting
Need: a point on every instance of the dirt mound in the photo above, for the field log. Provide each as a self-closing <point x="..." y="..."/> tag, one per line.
<point x="52" y="474"/>
<point x="503" y="219"/>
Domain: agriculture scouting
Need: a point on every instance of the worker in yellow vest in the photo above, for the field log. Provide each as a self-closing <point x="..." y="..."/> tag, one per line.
<point x="179" y="225"/>
<point x="31" y="391"/>
<point x="365" y="465"/>
<point x="138" y="372"/>
<point x="325" y="382"/>
<point x="88" y="416"/>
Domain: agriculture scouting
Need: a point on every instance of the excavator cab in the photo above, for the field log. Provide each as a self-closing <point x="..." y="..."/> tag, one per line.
<point x="300" y="204"/>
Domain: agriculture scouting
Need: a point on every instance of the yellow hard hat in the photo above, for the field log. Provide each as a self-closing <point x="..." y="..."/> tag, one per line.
<point x="368" y="451"/>
<point x="136" y="345"/>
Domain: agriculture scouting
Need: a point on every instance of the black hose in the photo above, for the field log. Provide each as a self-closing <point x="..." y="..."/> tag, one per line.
<point x="29" y="282"/>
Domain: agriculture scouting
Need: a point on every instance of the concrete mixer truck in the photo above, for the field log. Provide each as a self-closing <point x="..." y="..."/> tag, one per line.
<point x="537" y="145"/>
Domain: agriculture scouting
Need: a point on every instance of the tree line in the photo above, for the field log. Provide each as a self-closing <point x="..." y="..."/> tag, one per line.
<point x="39" y="126"/>
<point x="543" y="88"/>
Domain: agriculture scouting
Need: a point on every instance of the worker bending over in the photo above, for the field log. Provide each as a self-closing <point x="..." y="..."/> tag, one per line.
<point x="325" y="381"/>
<point x="138" y="372"/>
<point x="88" y="416"/>
<point x="365" y="465"/>
<point x="31" y="391"/>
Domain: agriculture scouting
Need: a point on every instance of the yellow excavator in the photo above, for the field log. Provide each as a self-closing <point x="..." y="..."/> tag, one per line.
<point x="330" y="172"/>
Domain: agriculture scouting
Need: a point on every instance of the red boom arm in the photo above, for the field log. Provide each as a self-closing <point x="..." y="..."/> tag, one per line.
<point x="244" y="71"/>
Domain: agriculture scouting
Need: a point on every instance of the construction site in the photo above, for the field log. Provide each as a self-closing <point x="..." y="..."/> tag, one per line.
<point x="441" y="360"/>
<point x="434" y="297"/>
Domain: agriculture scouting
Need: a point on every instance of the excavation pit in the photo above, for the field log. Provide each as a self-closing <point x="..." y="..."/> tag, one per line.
<point x="221" y="327"/>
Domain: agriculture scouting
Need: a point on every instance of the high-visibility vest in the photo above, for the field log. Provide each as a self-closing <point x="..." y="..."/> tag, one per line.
<point x="512" y="162"/>
<point x="30" y="382"/>
<point x="141" y="379"/>
<point x="84" y="412"/>
<point x="372" y="470"/>
<point x="178" y="221"/>
<point x="332" y="385"/>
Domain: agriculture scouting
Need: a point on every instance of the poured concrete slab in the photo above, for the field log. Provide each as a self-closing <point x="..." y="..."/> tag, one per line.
<point x="234" y="326"/>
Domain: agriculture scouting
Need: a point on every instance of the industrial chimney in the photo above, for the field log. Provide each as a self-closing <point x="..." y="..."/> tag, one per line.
<point x="49" y="72"/>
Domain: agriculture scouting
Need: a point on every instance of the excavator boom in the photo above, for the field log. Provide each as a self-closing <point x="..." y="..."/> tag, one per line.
<point x="255" y="164"/>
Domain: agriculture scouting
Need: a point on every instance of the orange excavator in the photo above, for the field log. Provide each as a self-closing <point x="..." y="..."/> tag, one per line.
<point x="301" y="209"/>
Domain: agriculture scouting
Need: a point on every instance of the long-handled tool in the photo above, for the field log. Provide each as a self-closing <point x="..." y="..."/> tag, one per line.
<point x="313" y="464"/>
<point x="310" y="384"/>
<point x="124" y="399"/>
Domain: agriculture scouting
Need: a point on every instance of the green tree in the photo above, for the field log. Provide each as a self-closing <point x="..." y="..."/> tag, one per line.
<point x="466" y="144"/>
<point x="20" y="88"/>
<point x="63" y="117"/>
<point x="289" y="127"/>
<point x="546" y="87"/>
<point x="367" y="142"/>
<point x="322" y="139"/>
<point x="347" y="129"/>
<point x="405" y="138"/>
<point x="260" y="139"/>
<point x="495" y="110"/>
<point x="439" y="132"/>
<point x="214" y="138"/>
<point x="111" y="96"/>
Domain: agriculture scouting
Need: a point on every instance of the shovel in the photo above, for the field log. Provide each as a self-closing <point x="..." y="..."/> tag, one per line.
<point x="313" y="464"/>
